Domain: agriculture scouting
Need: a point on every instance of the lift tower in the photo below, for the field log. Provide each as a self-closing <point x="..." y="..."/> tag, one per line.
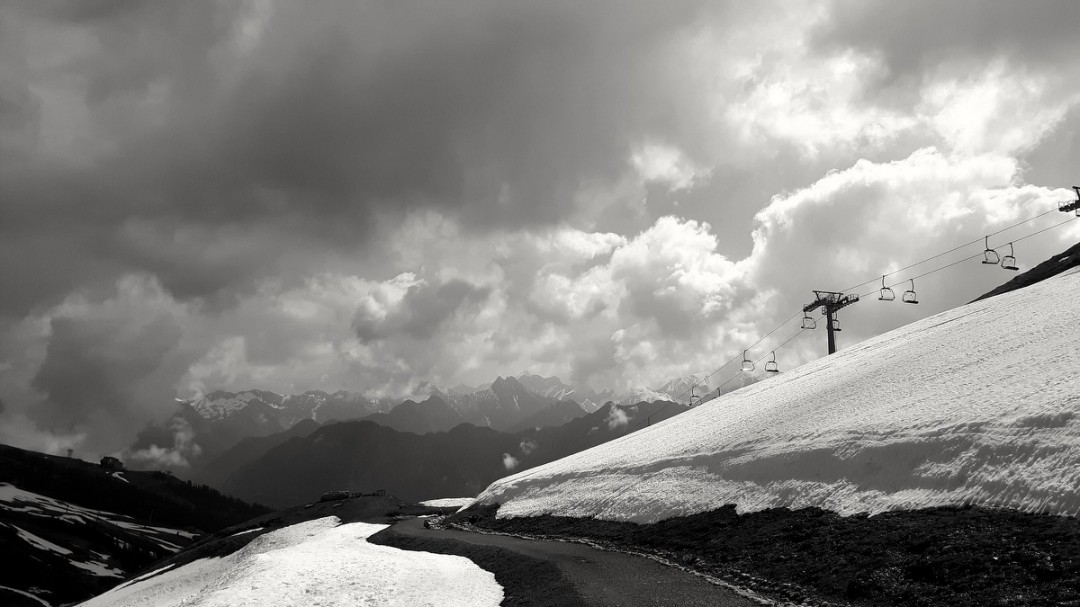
<point x="830" y="302"/>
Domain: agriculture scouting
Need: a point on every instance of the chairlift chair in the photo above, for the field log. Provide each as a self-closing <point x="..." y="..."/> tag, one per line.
<point x="747" y="364"/>
<point x="990" y="256"/>
<point x="909" y="295"/>
<point x="836" y="324"/>
<point x="808" y="322"/>
<point x="886" y="293"/>
<point x="1072" y="205"/>
<point x="771" y="366"/>
<point x="1009" y="262"/>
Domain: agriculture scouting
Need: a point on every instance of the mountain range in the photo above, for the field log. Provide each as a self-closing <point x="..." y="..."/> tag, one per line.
<point x="201" y="430"/>
<point x="292" y="467"/>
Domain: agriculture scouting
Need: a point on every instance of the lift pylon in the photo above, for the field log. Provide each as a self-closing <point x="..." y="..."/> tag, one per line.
<point x="830" y="302"/>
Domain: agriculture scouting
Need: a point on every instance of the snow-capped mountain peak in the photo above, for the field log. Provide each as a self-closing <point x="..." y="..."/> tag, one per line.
<point x="221" y="404"/>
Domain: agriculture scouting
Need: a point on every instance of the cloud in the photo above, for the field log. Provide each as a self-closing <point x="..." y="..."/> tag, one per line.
<point x="194" y="149"/>
<point x="617" y="418"/>
<point x="108" y="366"/>
<point x="967" y="31"/>
<point x="178" y="455"/>
<point x="203" y="196"/>
<point x="509" y="462"/>
<point x="527" y="447"/>
<point x="421" y="310"/>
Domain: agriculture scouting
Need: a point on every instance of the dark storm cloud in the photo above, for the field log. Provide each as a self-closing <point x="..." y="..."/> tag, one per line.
<point x="422" y="311"/>
<point x="332" y="115"/>
<point x="107" y="373"/>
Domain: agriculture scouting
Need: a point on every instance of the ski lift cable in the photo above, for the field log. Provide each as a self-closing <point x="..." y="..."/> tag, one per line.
<point x="741" y="372"/>
<point x="952" y="250"/>
<point x="738" y="357"/>
<point x="773" y="351"/>
<point x="975" y="256"/>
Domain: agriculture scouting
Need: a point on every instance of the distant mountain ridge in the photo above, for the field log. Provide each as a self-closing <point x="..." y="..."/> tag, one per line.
<point x="362" y="455"/>
<point x="203" y="429"/>
<point x="313" y="404"/>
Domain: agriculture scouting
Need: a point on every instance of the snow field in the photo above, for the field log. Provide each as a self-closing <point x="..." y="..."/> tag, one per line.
<point x="979" y="404"/>
<point x="320" y="562"/>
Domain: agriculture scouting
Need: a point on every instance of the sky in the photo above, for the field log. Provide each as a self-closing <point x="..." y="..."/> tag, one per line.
<point x="370" y="195"/>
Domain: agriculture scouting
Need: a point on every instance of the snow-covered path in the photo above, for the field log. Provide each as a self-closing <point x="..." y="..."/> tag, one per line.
<point x="320" y="562"/>
<point x="978" y="404"/>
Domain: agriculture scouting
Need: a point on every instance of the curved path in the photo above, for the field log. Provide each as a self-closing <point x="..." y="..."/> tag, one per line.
<point x="599" y="578"/>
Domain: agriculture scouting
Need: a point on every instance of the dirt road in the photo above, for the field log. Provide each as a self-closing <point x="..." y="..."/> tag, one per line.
<point x="545" y="572"/>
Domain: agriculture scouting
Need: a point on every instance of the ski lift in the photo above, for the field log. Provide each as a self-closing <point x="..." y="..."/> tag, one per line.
<point x="771" y="366"/>
<point x="990" y="256"/>
<point x="1009" y="262"/>
<point x="909" y="295"/>
<point x="886" y="293"/>
<point x="747" y="364"/>
<point x="808" y="322"/>
<point x="1072" y="205"/>
<point x="836" y="324"/>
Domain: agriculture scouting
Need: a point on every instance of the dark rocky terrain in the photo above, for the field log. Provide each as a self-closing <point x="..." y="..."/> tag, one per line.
<point x="963" y="557"/>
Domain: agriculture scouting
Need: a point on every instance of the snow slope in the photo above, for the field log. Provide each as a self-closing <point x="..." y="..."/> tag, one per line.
<point x="16" y="500"/>
<point x="978" y="404"/>
<point x="320" y="562"/>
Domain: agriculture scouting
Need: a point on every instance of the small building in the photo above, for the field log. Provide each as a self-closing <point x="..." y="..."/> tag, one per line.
<point x="111" y="463"/>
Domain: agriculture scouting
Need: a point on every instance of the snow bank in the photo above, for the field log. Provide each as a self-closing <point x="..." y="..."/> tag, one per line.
<point x="979" y="404"/>
<point x="448" y="502"/>
<point x="320" y="562"/>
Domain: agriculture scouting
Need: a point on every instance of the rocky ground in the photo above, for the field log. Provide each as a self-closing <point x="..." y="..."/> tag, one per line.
<point x="965" y="557"/>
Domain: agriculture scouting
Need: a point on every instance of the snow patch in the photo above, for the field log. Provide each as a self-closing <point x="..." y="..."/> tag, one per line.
<point x="146" y="576"/>
<point x="27" y="595"/>
<point x="38" y="542"/>
<point x="246" y="531"/>
<point x="448" y="502"/>
<point x="978" y="405"/>
<point x="320" y="562"/>
<point x="98" y="569"/>
<point x="14" y="499"/>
